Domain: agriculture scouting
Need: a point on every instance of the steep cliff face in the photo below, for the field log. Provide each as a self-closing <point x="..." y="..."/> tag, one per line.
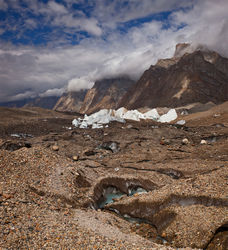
<point x="201" y="76"/>
<point x="105" y="93"/>
<point x="70" y="101"/>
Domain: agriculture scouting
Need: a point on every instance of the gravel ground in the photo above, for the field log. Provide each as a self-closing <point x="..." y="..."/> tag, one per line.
<point x="49" y="180"/>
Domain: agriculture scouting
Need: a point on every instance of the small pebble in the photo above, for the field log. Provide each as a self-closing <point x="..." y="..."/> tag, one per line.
<point x="185" y="141"/>
<point x="75" y="157"/>
<point x="55" y="148"/>
<point x="203" y="142"/>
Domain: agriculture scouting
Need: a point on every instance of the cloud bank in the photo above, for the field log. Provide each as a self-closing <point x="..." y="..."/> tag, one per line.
<point x="82" y="41"/>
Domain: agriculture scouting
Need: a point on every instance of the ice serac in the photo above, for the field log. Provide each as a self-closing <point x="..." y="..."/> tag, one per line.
<point x="105" y="94"/>
<point x="105" y="116"/>
<point x="189" y="77"/>
<point x="70" y="101"/>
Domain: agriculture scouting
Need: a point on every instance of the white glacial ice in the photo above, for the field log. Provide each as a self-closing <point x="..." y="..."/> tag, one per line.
<point x="152" y="114"/>
<point x="181" y="122"/>
<point x="104" y="116"/>
<point x="170" y="116"/>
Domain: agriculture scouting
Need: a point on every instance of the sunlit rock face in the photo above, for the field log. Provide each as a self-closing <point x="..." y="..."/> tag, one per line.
<point x="105" y="93"/>
<point x="189" y="77"/>
<point x="70" y="101"/>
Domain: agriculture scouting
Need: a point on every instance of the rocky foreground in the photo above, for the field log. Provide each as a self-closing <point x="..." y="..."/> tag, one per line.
<point x="53" y="180"/>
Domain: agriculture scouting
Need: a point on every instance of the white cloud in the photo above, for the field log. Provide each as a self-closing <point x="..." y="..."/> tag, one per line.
<point x="60" y="16"/>
<point x="207" y="23"/>
<point x="30" y="23"/>
<point x="24" y="95"/>
<point x="3" y="5"/>
<point x="58" y="8"/>
<point x="1" y="31"/>
<point x="53" y="92"/>
<point x="119" y="11"/>
<point x="77" y="84"/>
<point x="91" y="25"/>
<point x="87" y="24"/>
<point x="51" y="8"/>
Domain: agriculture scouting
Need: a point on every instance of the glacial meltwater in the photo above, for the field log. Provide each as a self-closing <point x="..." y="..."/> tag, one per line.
<point x="136" y="190"/>
<point x="111" y="193"/>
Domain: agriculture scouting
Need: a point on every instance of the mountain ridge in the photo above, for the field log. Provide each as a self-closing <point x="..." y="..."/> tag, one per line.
<point x="70" y="101"/>
<point x="106" y="93"/>
<point x="192" y="75"/>
<point x="201" y="76"/>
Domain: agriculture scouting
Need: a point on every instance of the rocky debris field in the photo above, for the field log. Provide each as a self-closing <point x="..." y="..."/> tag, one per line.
<point x="133" y="185"/>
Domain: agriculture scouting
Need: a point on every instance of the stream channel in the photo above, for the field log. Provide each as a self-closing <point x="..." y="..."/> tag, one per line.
<point x="111" y="193"/>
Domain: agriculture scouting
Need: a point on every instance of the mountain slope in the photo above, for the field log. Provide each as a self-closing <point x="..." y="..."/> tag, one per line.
<point x="70" y="101"/>
<point x="105" y="93"/>
<point x="201" y="76"/>
<point x="42" y="102"/>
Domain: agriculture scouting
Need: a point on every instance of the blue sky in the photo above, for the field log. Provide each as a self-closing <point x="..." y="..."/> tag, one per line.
<point x="50" y="46"/>
<point x="53" y="23"/>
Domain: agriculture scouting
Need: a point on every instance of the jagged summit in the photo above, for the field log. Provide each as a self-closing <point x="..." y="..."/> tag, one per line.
<point x="187" y="48"/>
<point x="200" y="76"/>
<point x="182" y="48"/>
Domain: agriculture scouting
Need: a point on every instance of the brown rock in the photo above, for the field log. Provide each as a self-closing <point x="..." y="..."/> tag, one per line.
<point x="7" y="196"/>
<point x="55" y="148"/>
<point x="89" y="152"/>
<point x="75" y="157"/>
<point x="165" y="141"/>
<point x="185" y="141"/>
<point x="203" y="142"/>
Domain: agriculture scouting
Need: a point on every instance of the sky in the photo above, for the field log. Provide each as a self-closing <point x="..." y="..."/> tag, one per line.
<point x="51" y="46"/>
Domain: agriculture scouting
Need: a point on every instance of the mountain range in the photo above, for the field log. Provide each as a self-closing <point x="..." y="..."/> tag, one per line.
<point x="190" y="76"/>
<point x="42" y="102"/>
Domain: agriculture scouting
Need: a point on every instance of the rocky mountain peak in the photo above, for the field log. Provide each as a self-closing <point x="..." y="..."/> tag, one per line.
<point x="181" y="49"/>
<point x="199" y="76"/>
<point x="187" y="48"/>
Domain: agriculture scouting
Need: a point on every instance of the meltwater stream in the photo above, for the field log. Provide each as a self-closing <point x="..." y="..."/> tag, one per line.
<point x="112" y="193"/>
